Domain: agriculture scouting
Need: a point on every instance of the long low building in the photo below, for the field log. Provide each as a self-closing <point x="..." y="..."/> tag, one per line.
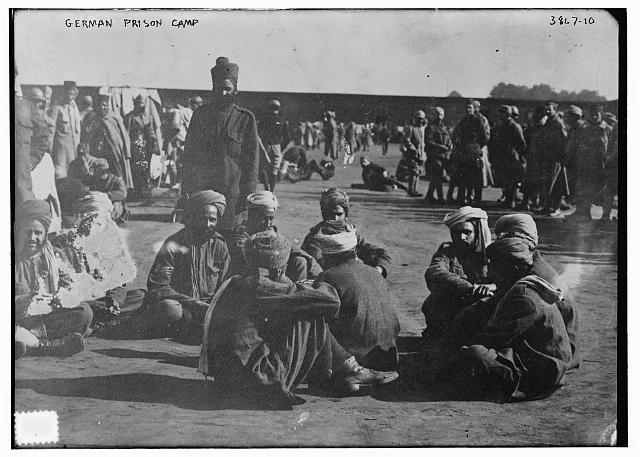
<point x="351" y="107"/>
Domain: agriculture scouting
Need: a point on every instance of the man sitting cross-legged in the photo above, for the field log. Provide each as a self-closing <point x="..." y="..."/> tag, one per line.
<point x="367" y="325"/>
<point x="523" y="350"/>
<point x="186" y="273"/>
<point x="524" y="227"/>
<point x="457" y="274"/>
<point x="37" y="281"/>
<point x="264" y="335"/>
<point x="261" y="211"/>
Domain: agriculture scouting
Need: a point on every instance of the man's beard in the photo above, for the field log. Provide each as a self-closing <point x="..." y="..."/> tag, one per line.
<point x="224" y="100"/>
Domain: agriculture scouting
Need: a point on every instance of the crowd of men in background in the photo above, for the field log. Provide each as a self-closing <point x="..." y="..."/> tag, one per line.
<point x="500" y="322"/>
<point x="556" y="160"/>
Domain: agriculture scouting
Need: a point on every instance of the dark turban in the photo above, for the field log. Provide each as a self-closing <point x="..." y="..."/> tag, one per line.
<point x="267" y="250"/>
<point x="198" y="200"/>
<point x="33" y="210"/>
<point x="510" y="250"/>
<point x="224" y="69"/>
<point x="334" y="196"/>
<point x="519" y="226"/>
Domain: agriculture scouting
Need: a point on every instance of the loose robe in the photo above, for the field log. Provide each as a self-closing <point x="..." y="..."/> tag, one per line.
<point x="188" y="271"/>
<point x="527" y="332"/>
<point x="450" y="278"/>
<point x="67" y="136"/>
<point x="258" y="332"/>
<point x="367" y="318"/>
<point x="370" y="254"/>
<point x="110" y="140"/>
<point x="300" y="265"/>
<point x="221" y="153"/>
<point x="144" y="144"/>
<point x="568" y="307"/>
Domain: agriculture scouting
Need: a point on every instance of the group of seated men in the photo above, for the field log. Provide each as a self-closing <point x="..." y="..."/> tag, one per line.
<point x="270" y="316"/>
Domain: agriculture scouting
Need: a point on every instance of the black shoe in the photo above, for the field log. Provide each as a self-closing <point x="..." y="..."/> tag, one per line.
<point x="67" y="345"/>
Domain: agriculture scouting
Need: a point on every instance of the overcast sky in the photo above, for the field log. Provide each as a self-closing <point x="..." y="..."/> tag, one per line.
<point x="422" y="53"/>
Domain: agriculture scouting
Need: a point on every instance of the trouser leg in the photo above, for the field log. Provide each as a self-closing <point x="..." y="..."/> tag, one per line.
<point x="65" y="321"/>
<point x="477" y="372"/>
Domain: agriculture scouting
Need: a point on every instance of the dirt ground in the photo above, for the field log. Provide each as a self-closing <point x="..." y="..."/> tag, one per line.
<point x="148" y="393"/>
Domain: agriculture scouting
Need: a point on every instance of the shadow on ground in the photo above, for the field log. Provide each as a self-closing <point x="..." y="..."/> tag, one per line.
<point x="162" y="357"/>
<point x="191" y="394"/>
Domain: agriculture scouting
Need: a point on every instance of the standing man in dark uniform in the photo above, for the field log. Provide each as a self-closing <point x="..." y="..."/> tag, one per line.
<point x="508" y="147"/>
<point x="221" y="148"/>
<point x="413" y="145"/>
<point x="274" y="133"/>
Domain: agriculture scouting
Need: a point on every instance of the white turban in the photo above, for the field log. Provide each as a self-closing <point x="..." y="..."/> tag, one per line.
<point x="262" y="198"/>
<point x="335" y="244"/>
<point x="466" y="214"/>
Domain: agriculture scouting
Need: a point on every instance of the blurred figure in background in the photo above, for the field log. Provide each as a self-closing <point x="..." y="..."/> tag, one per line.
<point x="68" y="129"/>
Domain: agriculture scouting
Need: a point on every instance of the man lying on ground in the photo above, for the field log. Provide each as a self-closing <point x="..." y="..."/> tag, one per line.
<point x="334" y="205"/>
<point x="457" y="274"/>
<point x="523" y="351"/>
<point x="264" y="335"/>
<point x="261" y="211"/>
<point x="37" y="281"/>
<point x="377" y="178"/>
<point x="524" y="227"/>
<point x="367" y="324"/>
<point x="187" y="271"/>
<point x="295" y="166"/>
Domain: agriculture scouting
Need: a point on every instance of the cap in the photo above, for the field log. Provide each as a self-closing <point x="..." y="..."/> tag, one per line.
<point x="420" y="114"/>
<point x="224" y="69"/>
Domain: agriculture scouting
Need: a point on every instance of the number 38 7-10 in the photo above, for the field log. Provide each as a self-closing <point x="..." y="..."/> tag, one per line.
<point x="574" y="20"/>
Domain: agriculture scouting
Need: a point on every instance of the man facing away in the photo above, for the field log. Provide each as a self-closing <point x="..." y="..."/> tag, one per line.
<point x="367" y="324"/>
<point x="264" y="335"/>
<point x="261" y="212"/>
<point x="221" y="148"/>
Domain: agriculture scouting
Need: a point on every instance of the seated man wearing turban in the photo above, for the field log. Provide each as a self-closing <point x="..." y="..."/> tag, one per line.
<point x="524" y="227"/>
<point x="367" y="324"/>
<point x="261" y="208"/>
<point x="37" y="281"/>
<point x="457" y="274"/>
<point x="334" y="205"/>
<point x="187" y="271"/>
<point x="523" y="351"/>
<point x="264" y="335"/>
